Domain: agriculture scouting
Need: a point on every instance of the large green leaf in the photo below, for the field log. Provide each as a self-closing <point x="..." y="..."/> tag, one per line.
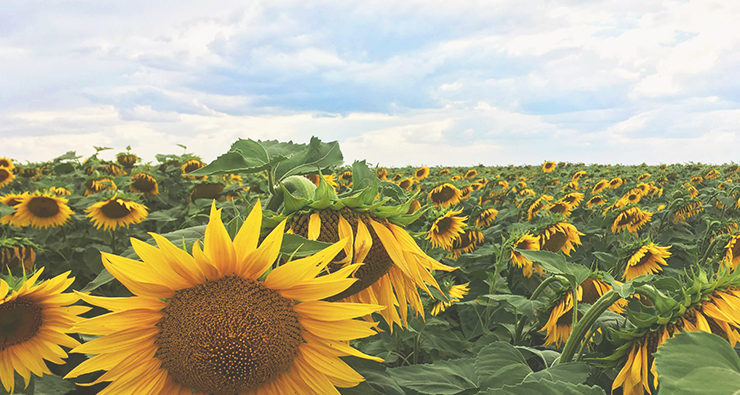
<point x="546" y="388"/>
<point x="299" y="246"/>
<point x="441" y="378"/>
<point x="556" y="264"/>
<point x="697" y="363"/>
<point x="303" y="159"/>
<point x="245" y="156"/>
<point x="362" y="176"/>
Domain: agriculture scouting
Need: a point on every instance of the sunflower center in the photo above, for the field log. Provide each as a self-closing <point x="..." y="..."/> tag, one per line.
<point x="114" y="210"/>
<point x="443" y="195"/>
<point x="20" y="319"/>
<point x="4" y="174"/>
<point x="228" y="336"/>
<point x="144" y="184"/>
<point x="555" y="242"/>
<point x="443" y="225"/>
<point x="43" y="207"/>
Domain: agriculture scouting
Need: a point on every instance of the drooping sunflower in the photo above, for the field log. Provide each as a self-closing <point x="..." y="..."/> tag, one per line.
<point x="693" y="192"/>
<point x="615" y="183"/>
<point x="127" y="159"/>
<point x="468" y="241"/>
<point x="486" y="217"/>
<point x="43" y="210"/>
<point x="406" y="183"/>
<point x="549" y="166"/>
<point x="537" y="205"/>
<point x="145" y="183"/>
<point x="116" y="212"/>
<point x="421" y="173"/>
<point x="632" y="219"/>
<point x="560" y="236"/>
<point x="207" y="190"/>
<point x="34" y="320"/>
<point x="646" y="260"/>
<point x="465" y="193"/>
<point x="445" y="195"/>
<point x="472" y="173"/>
<point x="456" y="292"/>
<point x="529" y="243"/>
<point x="215" y="323"/>
<point x="6" y="176"/>
<point x="191" y="166"/>
<point x="687" y="211"/>
<point x="99" y="184"/>
<point x="17" y="252"/>
<point x="732" y="252"/>
<point x="13" y="200"/>
<point x="595" y="201"/>
<point x="600" y="186"/>
<point x="446" y="229"/>
<point x="560" y="322"/>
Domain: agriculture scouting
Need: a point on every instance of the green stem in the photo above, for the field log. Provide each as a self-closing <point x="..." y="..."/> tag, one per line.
<point x="585" y="343"/>
<point x="113" y="241"/>
<point x="580" y="329"/>
<point x="574" y="293"/>
<point x="707" y="252"/>
<point x="541" y="288"/>
<point x="417" y="344"/>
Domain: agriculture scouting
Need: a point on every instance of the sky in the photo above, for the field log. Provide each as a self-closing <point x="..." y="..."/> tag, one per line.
<point x="397" y="83"/>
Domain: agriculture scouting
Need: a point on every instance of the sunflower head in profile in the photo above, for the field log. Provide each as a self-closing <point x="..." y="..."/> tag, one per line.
<point x="115" y="212"/>
<point x="126" y="159"/>
<point x="391" y="259"/>
<point x="6" y="176"/>
<point x="696" y="180"/>
<point x="559" y="236"/>
<point x="468" y="241"/>
<point x="446" y="228"/>
<point x="421" y="173"/>
<point x="60" y="191"/>
<point x="397" y="177"/>
<point x="631" y="218"/>
<point x="207" y="190"/>
<point x="99" y="183"/>
<point x="223" y="321"/>
<point x="578" y="175"/>
<point x="191" y="166"/>
<point x="472" y="173"/>
<point x="42" y="210"/>
<point x="688" y="210"/>
<point x="406" y="183"/>
<point x="600" y="186"/>
<point x="560" y="321"/>
<point x="595" y="201"/>
<point x="732" y="252"/>
<point x="13" y="200"/>
<point x="615" y="183"/>
<point x="34" y="320"/>
<point x="549" y="166"/>
<point x="445" y="195"/>
<point x="444" y="172"/>
<point x="17" y="252"/>
<point x="145" y="183"/>
<point x="645" y="260"/>
<point x="643" y="177"/>
<point x="529" y="243"/>
<point x="456" y="293"/>
<point x="465" y="192"/>
<point x="346" y="178"/>
<point x="486" y="217"/>
<point x="537" y="205"/>
<point x="382" y="173"/>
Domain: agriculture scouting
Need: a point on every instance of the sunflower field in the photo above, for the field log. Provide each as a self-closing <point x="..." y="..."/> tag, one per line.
<point x="278" y="269"/>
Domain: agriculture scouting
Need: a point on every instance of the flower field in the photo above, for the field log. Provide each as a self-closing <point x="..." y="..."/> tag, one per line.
<point x="279" y="269"/>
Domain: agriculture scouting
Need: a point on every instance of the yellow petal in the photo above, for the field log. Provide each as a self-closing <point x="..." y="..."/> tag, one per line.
<point x="159" y="265"/>
<point x="338" y="330"/>
<point x="345" y="231"/>
<point x="258" y="261"/>
<point x="334" y="311"/>
<point x="363" y="242"/>
<point x="314" y="226"/>
<point x="298" y="270"/>
<point x="135" y="276"/>
<point x="321" y="287"/>
<point x="246" y="239"/>
<point x="218" y="245"/>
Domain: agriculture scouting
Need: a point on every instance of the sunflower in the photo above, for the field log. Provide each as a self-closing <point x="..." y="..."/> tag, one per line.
<point x="456" y="178"/>
<point x="560" y="322"/>
<point x="632" y="197"/>
<point x="346" y="177"/>
<point x="421" y="173"/>
<point x="33" y="321"/>
<point x="631" y="219"/>
<point x="17" y="252"/>
<point x="634" y="378"/>
<point x="415" y="205"/>
<point x="13" y="200"/>
<point x="207" y="190"/>
<point x="445" y="195"/>
<point x="560" y="236"/>
<point x="406" y="183"/>
<point x="446" y="229"/>
<point x="468" y="241"/>
<point x="595" y="201"/>
<point x="645" y="261"/>
<point x="456" y="292"/>
<point x="712" y="174"/>
<point x="444" y="172"/>
<point x="99" y="184"/>
<point x="687" y="211"/>
<point x="116" y="212"/>
<point x="144" y="183"/>
<point x="221" y="322"/>
<point x="392" y="259"/>
<point x="112" y="169"/>
<point x="486" y="217"/>
<point x="382" y="173"/>
<point x="548" y="166"/>
<point x="43" y="210"/>
<point x="6" y="176"/>
<point x="615" y="183"/>
<point x="732" y="252"/>
<point x="465" y="193"/>
<point x="600" y="186"/>
<point x="538" y="204"/>
<point x="693" y="192"/>
<point x="643" y="177"/>
<point x="578" y="175"/>
<point x="331" y="179"/>
<point x="191" y="166"/>
<point x="472" y="173"/>
<point x="529" y="243"/>
<point x="6" y="163"/>
<point x="560" y="208"/>
<point x="60" y="191"/>
<point x="127" y="160"/>
<point x="696" y="180"/>
<point x="397" y="177"/>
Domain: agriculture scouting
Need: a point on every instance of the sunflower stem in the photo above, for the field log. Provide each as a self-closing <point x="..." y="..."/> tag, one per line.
<point x="585" y="343"/>
<point x="580" y="329"/>
<point x="574" y="292"/>
<point x="113" y="241"/>
<point x="541" y="288"/>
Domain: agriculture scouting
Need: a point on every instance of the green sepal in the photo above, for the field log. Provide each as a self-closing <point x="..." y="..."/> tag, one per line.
<point x="291" y="203"/>
<point x="405" y="220"/>
<point x="300" y="187"/>
<point x="324" y="195"/>
<point x="642" y="320"/>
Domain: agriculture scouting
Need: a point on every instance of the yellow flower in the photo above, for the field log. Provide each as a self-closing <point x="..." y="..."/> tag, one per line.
<point x="6" y="176"/>
<point x="529" y="243"/>
<point x="421" y="173"/>
<point x="221" y="322"/>
<point x="445" y="195"/>
<point x="486" y="217"/>
<point x="645" y="261"/>
<point x="116" y="212"/>
<point x="456" y="293"/>
<point x="446" y="229"/>
<point x="548" y="166"/>
<point x="33" y="323"/>
<point x="13" y="200"/>
<point x="144" y="183"/>
<point x="42" y="210"/>
<point x="631" y="219"/>
<point x="468" y="241"/>
<point x="560" y="236"/>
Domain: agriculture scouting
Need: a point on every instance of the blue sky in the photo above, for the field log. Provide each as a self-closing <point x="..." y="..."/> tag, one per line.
<point x="395" y="82"/>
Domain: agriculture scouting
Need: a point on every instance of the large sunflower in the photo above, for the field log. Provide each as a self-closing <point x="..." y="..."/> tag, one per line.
<point x="392" y="259"/>
<point x="421" y="173"/>
<point x="529" y="243"/>
<point x="560" y="236"/>
<point x="446" y="229"/>
<point x="646" y="260"/>
<point x="220" y="322"/>
<point x="445" y="195"/>
<point x="116" y="212"/>
<point x="43" y="210"/>
<point x="33" y="321"/>
<point x="6" y="176"/>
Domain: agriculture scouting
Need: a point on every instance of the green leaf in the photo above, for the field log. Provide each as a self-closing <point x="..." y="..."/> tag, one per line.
<point x="304" y="159"/>
<point x="546" y="388"/>
<point x="697" y="363"/>
<point x="441" y="378"/>
<point x="300" y="246"/>
<point x="362" y="176"/>
<point x="52" y="385"/>
<point x="5" y="209"/>
<point x="572" y="372"/>
<point x="499" y="364"/>
<point x="393" y="191"/>
<point x="520" y="303"/>
<point x="104" y="277"/>
<point x="608" y="259"/>
<point x="556" y="264"/>
<point x="232" y="162"/>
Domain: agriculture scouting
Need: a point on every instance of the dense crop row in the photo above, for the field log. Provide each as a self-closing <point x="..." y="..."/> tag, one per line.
<point x="277" y="269"/>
